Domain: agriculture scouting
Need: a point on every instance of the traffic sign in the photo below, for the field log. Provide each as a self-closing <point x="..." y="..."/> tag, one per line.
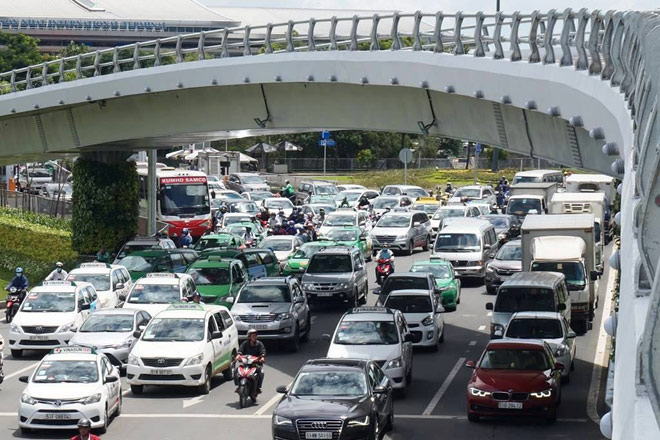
<point x="406" y="155"/>
<point x="325" y="135"/>
<point x="478" y="149"/>
<point x="327" y="143"/>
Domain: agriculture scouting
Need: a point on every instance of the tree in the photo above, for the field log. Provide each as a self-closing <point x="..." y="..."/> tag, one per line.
<point x="365" y="158"/>
<point x="19" y="51"/>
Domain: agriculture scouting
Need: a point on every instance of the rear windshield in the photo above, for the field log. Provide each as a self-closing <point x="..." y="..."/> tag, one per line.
<point x="330" y="264"/>
<point x="524" y="299"/>
<point x="404" y="283"/>
<point x="410" y="304"/>
<point x="534" y="329"/>
<point x="503" y="359"/>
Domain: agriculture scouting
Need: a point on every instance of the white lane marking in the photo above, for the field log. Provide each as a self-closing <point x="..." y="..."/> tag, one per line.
<point x="268" y="404"/>
<point x="313" y="320"/>
<point x="472" y="343"/>
<point x="192" y="401"/>
<point x="443" y="388"/>
<point x="22" y="370"/>
<point x="125" y="392"/>
<point x="482" y="328"/>
<point x="600" y="360"/>
<point x="489" y="314"/>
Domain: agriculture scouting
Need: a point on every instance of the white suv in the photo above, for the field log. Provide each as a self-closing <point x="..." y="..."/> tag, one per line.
<point x="403" y="231"/>
<point x="110" y="281"/>
<point x="157" y="291"/>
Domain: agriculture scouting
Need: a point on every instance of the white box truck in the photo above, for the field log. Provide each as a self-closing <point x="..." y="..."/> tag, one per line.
<point x="590" y="183"/>
<point x="565" y="243"/>
<point x="530" y="198"/>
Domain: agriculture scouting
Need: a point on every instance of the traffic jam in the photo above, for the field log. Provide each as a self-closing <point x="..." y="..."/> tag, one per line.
<point x="241" y="270"/>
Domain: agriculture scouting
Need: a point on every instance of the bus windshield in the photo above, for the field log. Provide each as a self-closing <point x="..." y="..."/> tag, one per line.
<point x="184" y="199"/>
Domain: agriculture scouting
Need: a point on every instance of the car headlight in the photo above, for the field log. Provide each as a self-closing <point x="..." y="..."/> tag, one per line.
<point x="236" y="317"/>
<point x="497" y="330"/>
<point x="15" y="328"/>
<point x="427" y="321"/>
<point x="479" y="393"/>
<point x="286" y="266"/>
<point x="359" y="421"/>
<point x="26" y="398"/>
<point x="562" y="350"/>
<point x="127" y="343"/>
<point x="133" y="360"/>
<point x="394" y="363"/>
<point x="542" y="394"/>
<point x="282" y="316"/>
<point x="306" y="286"/>
<point x="94" y="398"/>
<point x="342" y="286"/>
<point x="402" y="237"/>
<point x="195" y="360"/>
<point x="445" y="289"/>
<point x="66" y="327"/>
<point x="489" y="269"/>
<point x="282" y="421"/>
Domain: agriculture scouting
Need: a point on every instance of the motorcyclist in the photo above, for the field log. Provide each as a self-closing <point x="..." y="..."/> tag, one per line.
<point x="448" y="188"/>
<point x="84" y="431"/>
<point x="185" y="240"/>
<point x="288" y="190"/>
<point x="248" y="236"/>
<point x="196" y="298"/>
<point x="364" y="203"/>
<point x="273" y="222"/>
<point x="58" y="274"/>
<point x="290" y="228"/>
<point x="386" y="254"/>
<point x="20" y="281"/>
<point x="320" y="217"/>
<point x="281" y="217"/>
<point x="253" y="347"/>
<point x="311" y="231"/>
<point x="344" y="203"/>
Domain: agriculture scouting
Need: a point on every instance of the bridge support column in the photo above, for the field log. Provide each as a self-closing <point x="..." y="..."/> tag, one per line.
<point x="151" y="192"/>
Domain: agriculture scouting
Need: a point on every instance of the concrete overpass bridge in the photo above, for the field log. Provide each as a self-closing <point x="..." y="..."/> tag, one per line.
<point x="577" y="87"/>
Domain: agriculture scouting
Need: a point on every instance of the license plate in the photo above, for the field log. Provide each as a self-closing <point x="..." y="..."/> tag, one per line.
<point x="318" y="435"/>
<point x="323" y="294"/>
<point x="57" y="416"/>
<point x="260" y="326"/>
<point x="38" y="338"/>
<point x="162" y="372"/>
<point x="510" y="405"/>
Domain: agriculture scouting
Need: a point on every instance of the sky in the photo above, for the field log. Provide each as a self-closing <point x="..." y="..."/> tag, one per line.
<point x="445" y="5"/>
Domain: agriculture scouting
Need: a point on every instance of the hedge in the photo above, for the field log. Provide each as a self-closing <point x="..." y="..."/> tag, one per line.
<point x="34" y="242"/>
<point x="105" y="204"/>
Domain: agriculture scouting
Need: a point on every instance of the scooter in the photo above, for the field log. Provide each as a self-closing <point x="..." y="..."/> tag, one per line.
<point x="383" y="270"/>
<point x="248" y="376"/>
<point x="13" y="303"/>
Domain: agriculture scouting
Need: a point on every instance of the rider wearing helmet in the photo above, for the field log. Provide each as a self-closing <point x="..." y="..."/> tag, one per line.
<point x="58" y="274"/>
<point x="248" y="236"/>
<point x="320" y="217"/>
<point x="84" y="431"/>
<point x="20" y="281"/>
<point x="253" y="347"/>
<point x="185" y="240"/>
<point x="386" y="254"/>
<point x="448" y="188"/>
<point x="288" y="190"/>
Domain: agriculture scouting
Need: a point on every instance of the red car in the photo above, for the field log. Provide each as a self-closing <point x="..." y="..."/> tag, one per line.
<point x="514" y="378"/>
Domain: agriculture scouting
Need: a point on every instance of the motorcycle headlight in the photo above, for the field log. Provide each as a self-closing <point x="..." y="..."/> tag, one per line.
<point x="26" y="398"/>
<point x="479" y="393"/>
<point x="94" y="398"/>
<point x="195" y="360"/>
<point x="66" y="327"/>
<point x="15" y="328"/>
<point x="427" y="321"/>
<point x="133" y="360"/>
<point x="562" y="350"/>
<point x="282" y="421"/>
<point x="394" y="363"/>
<point x="282" y="316"/>
<point x="542" y="394"/>
<point x="359" y="421"/>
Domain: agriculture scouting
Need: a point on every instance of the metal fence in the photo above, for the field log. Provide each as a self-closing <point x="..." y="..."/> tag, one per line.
<point x="36" y="203"/>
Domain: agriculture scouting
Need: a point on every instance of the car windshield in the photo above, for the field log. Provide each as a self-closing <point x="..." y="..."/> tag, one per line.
<point x="573" y="271"/>
<point x="340" y="220"/>
<point x="510" y="252"/>
<point x="52" y="371"/>
<point x="321" y="199"/>
<point x="440" y="271"/>
<point x="135" y="247"/>
<point x="409" y="303"/>
<point x="326" y="190"/>
<point x="154" y="294"/>
<point x="523" y="206"/>
<point x="100" y="282"/>
<point x="253" y="180"/>
<point x="394" y="221"/>
<point x="137" y="263"/>
<point x="350" y="196"/>
<point x="231" y="219"/>
<point x="307" y="251"/>
<point x="38" y="173"/>
<point x="511" y="359"/>
<point x="498" y="222"/>
<point x="276" y="244"/>
<point x="416" y="192"/>
<point x="316" y="209"/>
<point x="457" y="242"/>
<point x="107" y="324"/>
<point x="278" y="203"/>
<point x="330" y="264"/>
<point x="429" y="209"/>
<point x="404" y="283"/>
<point x="231" y="195"/>
<point x="174" y="329"/>
<point x="446" y="213"/>
<point x="468" y="192"/>
<point x="184" y="199"/>
<point x="367" y="333"/>
<point x="49" y="302"/>
<point x="526" y="179"/>
<point x="379" y="203"/>
<point x="243" y="207"/>
<point x="534" y="329"/>
<point x="342" y="235"/>
<point x="330" y="383"/>
<point x="524" y="299"/>
<point x="264" y="294"/>
<point x="213" y="242"/>
<point x="210" y="276"/>
<point x="258" y="196"/>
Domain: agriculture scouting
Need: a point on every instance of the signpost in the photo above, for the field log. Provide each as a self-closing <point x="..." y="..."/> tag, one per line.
<point x="477" y="151"/>
<point x="326" y="142"/>
<point x="405" y="156"/>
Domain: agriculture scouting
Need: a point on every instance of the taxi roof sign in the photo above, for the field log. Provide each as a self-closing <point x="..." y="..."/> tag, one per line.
<point x="371" y="310"/>
<point x="95" y="266"/>
<point x="73" y="349"/>
<point x="185" y="306"/>
<point x="58" y="283"/>
<point x="162" y="275"/>
<point x="431" y="200"/>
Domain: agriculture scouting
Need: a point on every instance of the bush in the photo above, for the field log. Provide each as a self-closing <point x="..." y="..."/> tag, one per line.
<point x="366" y="158"/>
<point x="34" y="242"/>
<point x="106" y="205"/>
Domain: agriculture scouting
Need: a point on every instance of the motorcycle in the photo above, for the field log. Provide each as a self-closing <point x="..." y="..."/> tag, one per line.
<point x="2" y="372"/>
<point x="383" y="270"/>
<point x="248" y="376"/>
<point x="13" y="303"/>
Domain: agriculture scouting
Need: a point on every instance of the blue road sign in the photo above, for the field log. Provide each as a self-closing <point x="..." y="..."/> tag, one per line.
<point x="478" y="149"/>
<point x="327" y="143"/>
<point x="325" y="135"/>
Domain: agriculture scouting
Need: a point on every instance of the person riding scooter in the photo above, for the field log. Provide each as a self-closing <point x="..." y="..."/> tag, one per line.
<point x="253" y="347"/>
<point x="19" y="281"/>
<point x="58" y="274"/>
<point x="248" y="237"/>
<point x="386" y="254"/>
<point x="185" y="240"/>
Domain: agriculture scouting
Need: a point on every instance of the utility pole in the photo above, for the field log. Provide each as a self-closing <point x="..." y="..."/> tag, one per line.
<point x="494" y="167"/>
<point x="151" y="192"/>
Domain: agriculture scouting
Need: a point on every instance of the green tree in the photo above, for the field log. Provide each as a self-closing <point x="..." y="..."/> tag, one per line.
<point x="19" y="51"/>
<point x="366" y="158"/>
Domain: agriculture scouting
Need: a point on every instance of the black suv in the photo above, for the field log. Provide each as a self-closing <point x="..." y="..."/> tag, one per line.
<point x="407" y="281"/>
<point x="333" y="397"/>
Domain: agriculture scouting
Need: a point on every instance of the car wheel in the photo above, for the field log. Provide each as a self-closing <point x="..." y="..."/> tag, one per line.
<point x="137" y="389"/>
<point x="104" y="428"/>
<point x="375" y="433"/>
<point x="117" y="411"/>
<point x="227" y="374"/>
<point x="308" y="330"/>
<point x="16" y="354"/>
<point x="552" y="418"/>
<point x="573" y="364"/>
<point x="294" y="343"/>
<point x="490" y="290"/>
<point x="205" y="387"/>
<point x="566" y="379"/>
<point x="389" y="425"/>
<point x="411" y="246"/>
<point x="409" y="374"/>
<point x="427" y="243"/>
<point x="356" y="298"/>
<point x="441" y="339"/>
<point x="473" y="417"/>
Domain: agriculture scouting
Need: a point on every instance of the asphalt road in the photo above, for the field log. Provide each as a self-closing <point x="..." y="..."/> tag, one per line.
<point x="435" y="402"/>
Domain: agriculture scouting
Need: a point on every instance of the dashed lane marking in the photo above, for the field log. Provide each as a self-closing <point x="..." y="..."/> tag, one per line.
<point x="489" y="314"/>
<point x="443" y="388"/>
<point x="22" y="370"/>
<point x="482" y="328"/>
<point x="472" y="343"/>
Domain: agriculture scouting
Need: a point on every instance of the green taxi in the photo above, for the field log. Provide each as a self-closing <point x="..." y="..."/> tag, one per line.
<point x="297" y="263"/>
<point x="217" y="278"/>
<point x="220" y="240"/>
<point x="140" y="263"/>
<point x="352" y="236"/>
<point x="258" y="262"/>
<point x="445" y="280"/>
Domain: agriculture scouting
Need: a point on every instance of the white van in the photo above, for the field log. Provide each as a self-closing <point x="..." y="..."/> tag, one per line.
<point x="592" y="183"/>
<point x="468" y="244"/>
<point x="110" y="281"/>
<point x="538" y="176"/>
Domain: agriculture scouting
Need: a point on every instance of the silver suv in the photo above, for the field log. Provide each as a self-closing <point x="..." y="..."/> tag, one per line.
<point x="403" y="231"/>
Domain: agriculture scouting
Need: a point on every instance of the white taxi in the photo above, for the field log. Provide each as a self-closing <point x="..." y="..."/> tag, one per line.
<point x="110" y="281"/>
<point x="69" y="384"/>
<point x="379" y="334"/>
<point x="423" y="313"/>
<point x="187" y="344"/>
<point x="50" y="315"/>
<point x="157" y="291"/>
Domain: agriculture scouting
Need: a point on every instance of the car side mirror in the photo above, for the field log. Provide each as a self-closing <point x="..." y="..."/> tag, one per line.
<point x="141" y="328"/>
<point x="440" y="309"/>
<point x="326" y="337"/>
<point x="593" y="275"/>
<point x="119" y="286"/>
<point x="471" y="364"/>
<point x="24" y="379"/>
<point x="491" y="256"/>
<point x="122" y="296"/>
<point x="561" y="307"/>
<point x="487" y="246"/>
<point x="559" y="366"/>
<point x="377" y="291"/>
<point x="85" y="306"/>
<point x="137" y="334"/>
<point x="281" y="389"/>
<point x="216" y="335"/>
<point x="489" y="306"/>
<point x="300" y="300"/>
<point x="229" y="300"/>
<point x="416" y="223"/>
<point x="380" y="390"/>
<point x="409" y="337"/>
<point x="571" y="334"/>
<point x="111" y="379"/>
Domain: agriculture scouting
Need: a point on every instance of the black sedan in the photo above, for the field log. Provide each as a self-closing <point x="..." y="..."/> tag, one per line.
<point x="506" y="226"/>
<point x="335" y="399"/>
